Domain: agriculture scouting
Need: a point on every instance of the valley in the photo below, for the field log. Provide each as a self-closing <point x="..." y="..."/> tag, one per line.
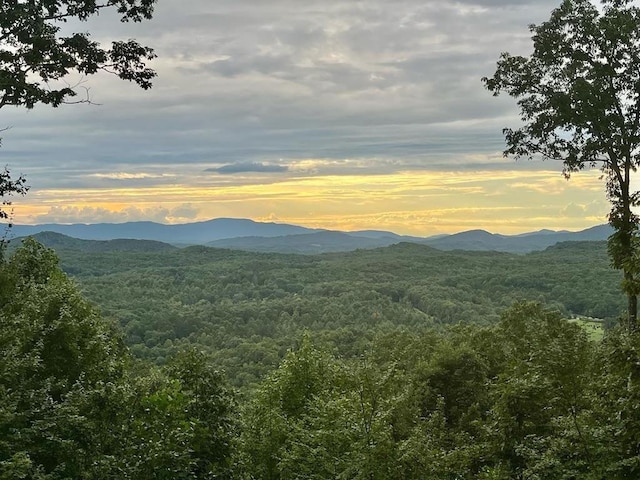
<point x="247" y="309"/>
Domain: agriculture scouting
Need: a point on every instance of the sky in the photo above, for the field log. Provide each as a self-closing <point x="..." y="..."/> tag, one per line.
<point x="344" y="115"/>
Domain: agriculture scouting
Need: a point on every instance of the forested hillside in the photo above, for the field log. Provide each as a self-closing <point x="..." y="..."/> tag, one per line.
<point x="377" y="388"/>
<point x="138" y="360"/>
<point x="247" y="309"/>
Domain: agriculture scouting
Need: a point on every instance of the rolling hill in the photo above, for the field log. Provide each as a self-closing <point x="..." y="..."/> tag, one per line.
<point x="249" y="235"/>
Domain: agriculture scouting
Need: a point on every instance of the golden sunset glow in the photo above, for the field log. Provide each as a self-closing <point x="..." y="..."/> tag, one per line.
<point x="413" y="202"/>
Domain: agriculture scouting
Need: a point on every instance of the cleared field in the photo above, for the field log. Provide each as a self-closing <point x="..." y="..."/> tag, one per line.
<point x="594" y="327"/>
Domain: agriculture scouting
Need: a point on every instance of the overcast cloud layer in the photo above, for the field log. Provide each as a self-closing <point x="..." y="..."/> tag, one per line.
<point x="256" y="94"/>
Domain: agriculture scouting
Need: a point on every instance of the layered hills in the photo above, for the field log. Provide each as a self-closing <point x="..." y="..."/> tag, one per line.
<point x="244" y="234"/>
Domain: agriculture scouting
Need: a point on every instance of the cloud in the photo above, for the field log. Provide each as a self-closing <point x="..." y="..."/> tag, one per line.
<point x="248" y="167"/>
<point x="582" y="210"/>
<point x="75" y="214"/>
<point x="127" y="176"/>
<point x="419" y="202"/>
<point x="332" y="88"/>
<point x="183" y="213"/>
<point x="328" y="79"/>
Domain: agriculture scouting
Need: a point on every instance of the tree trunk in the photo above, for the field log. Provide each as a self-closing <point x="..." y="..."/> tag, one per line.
<point x="627" y="231"/>
<point x="632" y="301"/>
<point x="633" y="311"/>
<point x="622" y="243"/>
<point x="626" y="242"/>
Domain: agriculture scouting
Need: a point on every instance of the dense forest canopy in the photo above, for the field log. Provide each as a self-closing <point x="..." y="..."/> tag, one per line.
<point x="397" y="363"/>
<point x="247" y="309"/>
<point x="527" y="394"/>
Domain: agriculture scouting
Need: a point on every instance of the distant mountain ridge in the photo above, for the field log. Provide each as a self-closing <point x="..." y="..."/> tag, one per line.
<point x="59" y="241"/>
<point x="523" y="243"/>
<point x="197" y="233"/>
<point x="244" y="234"/>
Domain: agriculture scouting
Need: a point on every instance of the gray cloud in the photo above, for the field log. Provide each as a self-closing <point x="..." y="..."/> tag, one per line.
<point x="248" y="167"/>
<point x="389" y="84"/>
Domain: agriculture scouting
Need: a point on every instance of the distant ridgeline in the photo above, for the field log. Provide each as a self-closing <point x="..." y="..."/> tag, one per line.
<point x="249" y="235"/>
<point x="248" y="308"/>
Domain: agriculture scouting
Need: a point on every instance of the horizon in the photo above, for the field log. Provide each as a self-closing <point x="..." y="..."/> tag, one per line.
<point x="12" y="224"/>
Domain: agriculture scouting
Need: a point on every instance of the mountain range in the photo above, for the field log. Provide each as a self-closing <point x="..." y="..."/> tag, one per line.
<point x="250" y="235"/>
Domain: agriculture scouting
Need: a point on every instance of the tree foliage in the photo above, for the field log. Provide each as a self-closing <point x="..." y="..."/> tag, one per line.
<point x="578" y="94"/>
<point x="531" y="396"/>
<point x="37" y="58"/>
<point x="53" y="346"/>
<point x="8" y="188"/>
<point x="71" y="406"/>
<point x="34" y="54"/>
<point x="516" y="400"/>
<point x="247" y="309"/>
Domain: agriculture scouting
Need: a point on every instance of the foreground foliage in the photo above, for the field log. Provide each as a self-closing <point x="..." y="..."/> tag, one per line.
<point x="37" y="54"/>
<point x="39" y="57"/>
<point x="531" y="396"/>
<point x="72" y="406"/>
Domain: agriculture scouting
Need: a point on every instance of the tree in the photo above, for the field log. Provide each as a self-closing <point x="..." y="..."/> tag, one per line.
<point x="55" y="351"/>
<point x="541" y="395"/>
<point x="36" y="57"/>
<point x="210" y="412"/>
<point x="33" y="53"/>
<point x="72" y="406"/>
<point x="276" y="418"/>
<point x="579" y="100"/>
<point x="10" y="187"/>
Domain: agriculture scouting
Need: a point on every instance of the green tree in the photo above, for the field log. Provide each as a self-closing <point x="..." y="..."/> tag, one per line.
<point x="36" y="57"/>
<point x="8" y="188"/>
<point x="578" y="94"/>
<point x="71" y="406"/>
<point x="616" y="414"/>
<point x="541" y="396"/>
<point x="279" y="413"/>
<point x="34" y="54"/>
<point x="321" y="417"/>
<point x="160" y="427"/>
<point x="210" y="413"/>
<point x="54" y="350"/>
<point x="449" y="385"/>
